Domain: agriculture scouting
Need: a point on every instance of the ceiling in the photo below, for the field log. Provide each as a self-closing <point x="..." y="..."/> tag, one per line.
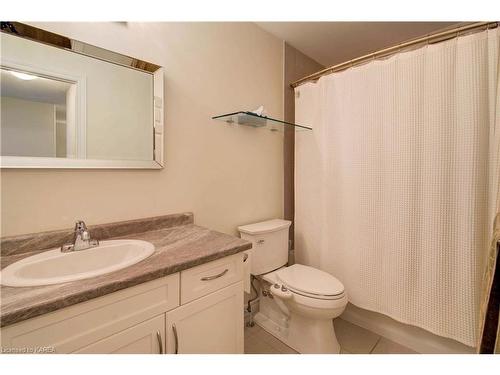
<point x="38" y="90"/>
<point x="331" y="43"/>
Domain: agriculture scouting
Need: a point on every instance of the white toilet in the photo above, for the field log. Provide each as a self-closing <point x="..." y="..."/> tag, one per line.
<point x="297" y="303"/>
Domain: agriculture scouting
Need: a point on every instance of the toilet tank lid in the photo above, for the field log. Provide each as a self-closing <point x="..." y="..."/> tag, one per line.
<point x="265" y="226"/>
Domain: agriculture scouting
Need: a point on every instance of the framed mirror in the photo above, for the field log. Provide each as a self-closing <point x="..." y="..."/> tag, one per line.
<point x="68" y="104"/>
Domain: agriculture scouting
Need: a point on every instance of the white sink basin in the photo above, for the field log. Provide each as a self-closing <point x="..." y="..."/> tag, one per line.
<point x="54" y="267"/>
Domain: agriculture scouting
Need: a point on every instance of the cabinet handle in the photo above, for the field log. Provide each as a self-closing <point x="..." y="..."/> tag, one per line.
<point x="176" y="339"/>
<point x="160" y="343"/>
<point x="208" y="278"/>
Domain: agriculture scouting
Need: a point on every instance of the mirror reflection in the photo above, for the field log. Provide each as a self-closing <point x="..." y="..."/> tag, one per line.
<point x="61" y="106"/>
<point x="34" y="118"/>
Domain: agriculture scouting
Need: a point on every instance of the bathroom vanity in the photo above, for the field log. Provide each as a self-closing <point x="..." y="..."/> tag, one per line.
<point x="185" y="298"/>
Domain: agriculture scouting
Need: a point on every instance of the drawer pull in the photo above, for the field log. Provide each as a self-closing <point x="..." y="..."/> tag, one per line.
<point x="160" y="344"/>
<point x="176" y="339"/>
<point x="208" y="278"/>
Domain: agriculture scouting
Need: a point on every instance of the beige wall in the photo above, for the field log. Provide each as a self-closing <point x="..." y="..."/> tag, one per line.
<point x="227" y="176"/>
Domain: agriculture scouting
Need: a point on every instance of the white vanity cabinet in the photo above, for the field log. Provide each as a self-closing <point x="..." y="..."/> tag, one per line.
<point x="211" y="324"/>
<point x="210" y="318"/>
<point x="203" y="303"/>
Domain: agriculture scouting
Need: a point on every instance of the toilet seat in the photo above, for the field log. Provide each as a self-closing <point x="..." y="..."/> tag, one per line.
<point x="310" y="282"/>
<point x="317" y="296"/>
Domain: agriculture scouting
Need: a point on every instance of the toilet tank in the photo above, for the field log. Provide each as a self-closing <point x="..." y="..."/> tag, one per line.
<point x="269" y="244"/>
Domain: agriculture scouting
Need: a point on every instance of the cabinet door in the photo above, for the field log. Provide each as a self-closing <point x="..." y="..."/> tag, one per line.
<point x="211" y="324"/>
<point x="75" y="327"/>
<point x="144" y="338"/>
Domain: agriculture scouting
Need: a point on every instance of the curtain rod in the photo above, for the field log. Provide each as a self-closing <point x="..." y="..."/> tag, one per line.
<point x="387" y="51"/>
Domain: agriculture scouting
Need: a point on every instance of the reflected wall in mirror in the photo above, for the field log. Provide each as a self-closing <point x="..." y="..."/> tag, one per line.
<point x="62" y="108"/>
<point x="33" y="116"/>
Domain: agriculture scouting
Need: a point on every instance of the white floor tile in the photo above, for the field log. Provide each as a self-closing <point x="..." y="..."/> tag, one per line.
<point x="258" y="341"/>
<point x="385" y="346"/>
<point x="353" y="338"/>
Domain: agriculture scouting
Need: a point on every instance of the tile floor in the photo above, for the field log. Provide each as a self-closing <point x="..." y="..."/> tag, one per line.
<point x="352" y="338"/>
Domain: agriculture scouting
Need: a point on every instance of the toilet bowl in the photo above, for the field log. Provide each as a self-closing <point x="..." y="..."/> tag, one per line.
<point x="308" y="299"/>
<point x="297" y="303"/>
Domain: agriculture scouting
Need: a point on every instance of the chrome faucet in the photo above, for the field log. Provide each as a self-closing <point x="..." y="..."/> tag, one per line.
<point x="81" y="239"/>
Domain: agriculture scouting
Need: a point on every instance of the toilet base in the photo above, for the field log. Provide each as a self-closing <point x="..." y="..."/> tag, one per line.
<point x="307" y="336"/>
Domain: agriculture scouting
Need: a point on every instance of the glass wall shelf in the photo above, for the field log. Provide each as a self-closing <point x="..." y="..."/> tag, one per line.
<point x="256" y="121"/>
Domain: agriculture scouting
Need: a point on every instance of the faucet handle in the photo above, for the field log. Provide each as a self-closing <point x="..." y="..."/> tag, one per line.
<point x="81" y="239"/>
<point x="80" y="226"/>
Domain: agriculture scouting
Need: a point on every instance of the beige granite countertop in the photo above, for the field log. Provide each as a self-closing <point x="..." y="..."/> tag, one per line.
<point x="177" y="248"/>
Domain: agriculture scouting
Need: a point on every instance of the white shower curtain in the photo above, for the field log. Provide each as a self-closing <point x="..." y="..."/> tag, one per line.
<point x="396" y="185"/>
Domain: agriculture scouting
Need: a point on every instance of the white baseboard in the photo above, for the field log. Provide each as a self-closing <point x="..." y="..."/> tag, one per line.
<point x="412" y="337"/>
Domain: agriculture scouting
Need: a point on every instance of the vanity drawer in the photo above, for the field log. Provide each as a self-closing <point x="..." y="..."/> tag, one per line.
<point x="77" y="326"/>
<point x="207" y="278"/>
